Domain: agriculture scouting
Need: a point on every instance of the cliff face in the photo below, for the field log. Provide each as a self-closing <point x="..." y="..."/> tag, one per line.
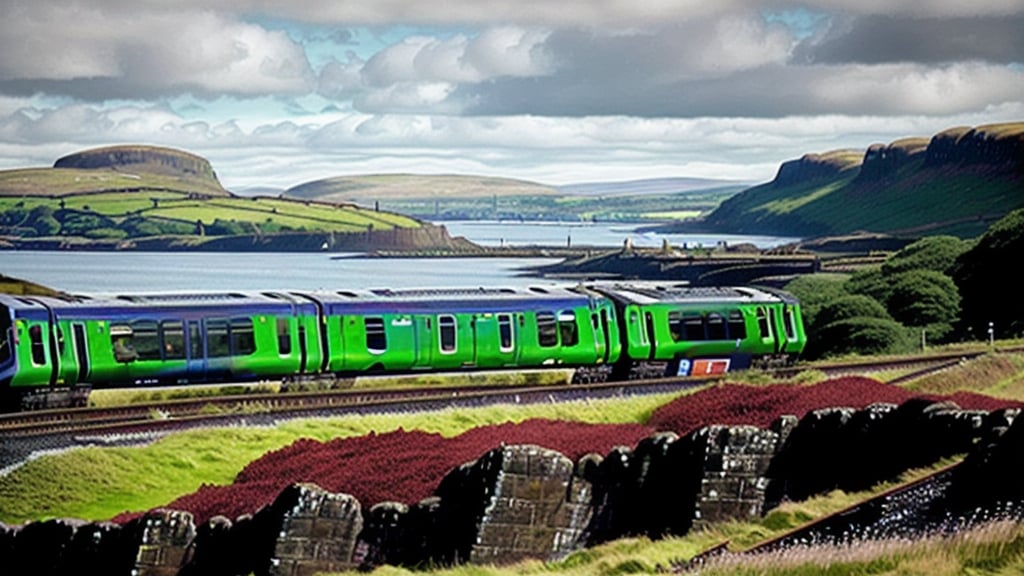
<point x="955" y="182"/>
<point x="151" y="158"/>
<point x="995" y="145"/>
<point x="812" y="167"/>
<point x="883" y="161"/>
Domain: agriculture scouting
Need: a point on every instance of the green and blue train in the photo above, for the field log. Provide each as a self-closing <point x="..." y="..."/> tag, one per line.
<point x="53" y="351"/>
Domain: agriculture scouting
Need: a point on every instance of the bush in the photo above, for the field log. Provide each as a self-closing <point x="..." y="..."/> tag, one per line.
<point x="851" y="306"/>
<point x="923" y="298"/>
<point x="938" y="253"/>
<point x="984" y="276"/>
<point x="860" y="335"/>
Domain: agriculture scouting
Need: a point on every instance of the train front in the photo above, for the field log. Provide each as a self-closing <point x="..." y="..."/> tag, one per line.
<point x="8" y="357"/>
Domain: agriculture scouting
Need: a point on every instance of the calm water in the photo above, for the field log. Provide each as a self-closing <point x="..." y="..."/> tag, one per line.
<point x="579" y="234"/>
<point x="153" y="271"/>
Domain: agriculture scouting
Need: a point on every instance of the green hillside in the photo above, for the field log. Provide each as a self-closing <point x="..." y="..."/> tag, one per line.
<point x="134" y="192"/>
<point x="958" y="182"/>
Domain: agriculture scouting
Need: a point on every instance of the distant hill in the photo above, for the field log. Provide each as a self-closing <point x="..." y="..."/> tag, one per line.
<point x="451" y="197"/>
<point x="116" y="168"/>
<point x="376" y="187"/>
<point x="957" y="182"/>
<point x="152" y="198"/>
<point x="662" y="186"/>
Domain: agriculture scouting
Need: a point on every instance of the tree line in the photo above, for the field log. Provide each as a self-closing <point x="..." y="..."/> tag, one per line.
<point x="939" y="289"/>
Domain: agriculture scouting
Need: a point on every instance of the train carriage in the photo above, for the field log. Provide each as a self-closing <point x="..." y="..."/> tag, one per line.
<point x="450" y="329"/>
<point x="676" y="329"/>
<point x="153" y="339"/>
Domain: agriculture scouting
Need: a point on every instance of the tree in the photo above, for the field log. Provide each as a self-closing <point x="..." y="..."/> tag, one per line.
<point x="925" y="299"/>
<point x="871" y="282"/>
<point x="985" y="275"/>
<point x="860" y="335"/>
<point x="851" y="306"/>
<point x="42" y="220"/>
<point x="937" y="253"/>
<point x="814" y="291"/>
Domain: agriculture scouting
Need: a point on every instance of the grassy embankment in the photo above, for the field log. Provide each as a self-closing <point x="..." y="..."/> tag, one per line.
<point x="97" y="483"/>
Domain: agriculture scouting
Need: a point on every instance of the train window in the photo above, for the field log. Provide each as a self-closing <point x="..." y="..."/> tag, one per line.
<point x="376" y="338"/>
<point x="737" y="328"/>
<point x="762" y="323"/>
<point x="35" y="336"/>
<point x="505" y="332"/>
<point x="146" y="339"/>
<point x="568" y="328"/>
<point x="284" y="337"/>
<point x="716" y="326"/>
<point x="243" y="341"/>
<point x="675" y="326"/>
<point x="446" y="328"/>
<point x="693" y="326"/>
<point x="218" y="343"/>
<point x="789" y="321"/>
<point x="174" y="340"/>
<point x="547" y="330"/>
<point x="121" y="342"/>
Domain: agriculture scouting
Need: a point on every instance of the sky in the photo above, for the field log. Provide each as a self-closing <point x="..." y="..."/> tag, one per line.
<point x="277" y="93"/>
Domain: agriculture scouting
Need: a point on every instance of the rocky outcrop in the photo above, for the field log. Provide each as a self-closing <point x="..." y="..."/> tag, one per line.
<point x="154" y="159"/>
<point x="883" y="161"/>
<point x="994" y="145"/>
<point x="812" y="167"/>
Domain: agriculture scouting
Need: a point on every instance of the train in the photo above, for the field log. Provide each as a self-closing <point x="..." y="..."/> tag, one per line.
<point x="53" y="351"/>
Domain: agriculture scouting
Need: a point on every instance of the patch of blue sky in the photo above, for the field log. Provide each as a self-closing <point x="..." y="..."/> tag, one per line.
<point x="801" y="22"/>
<point x="324" y="43"/>
<point x="251" y="113"/>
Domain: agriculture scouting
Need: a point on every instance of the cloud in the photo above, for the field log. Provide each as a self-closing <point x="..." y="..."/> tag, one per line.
<point x="887" y="39"/>
<point x="94" y="54"/>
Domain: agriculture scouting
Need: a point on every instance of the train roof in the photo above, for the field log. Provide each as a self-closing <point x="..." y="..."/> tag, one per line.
<point x="682" y="293"/>
<point x="382" y="300"/>
<point x="457" y="299"/>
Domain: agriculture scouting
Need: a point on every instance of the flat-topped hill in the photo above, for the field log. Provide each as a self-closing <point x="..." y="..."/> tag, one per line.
<point x="116" y="168"/>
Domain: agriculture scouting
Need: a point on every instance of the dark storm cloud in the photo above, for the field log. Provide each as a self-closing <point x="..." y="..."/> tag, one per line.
<point x="883" y="38"/>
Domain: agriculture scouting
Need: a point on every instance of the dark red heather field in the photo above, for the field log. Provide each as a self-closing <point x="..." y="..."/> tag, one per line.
<point x="406" y="466"/>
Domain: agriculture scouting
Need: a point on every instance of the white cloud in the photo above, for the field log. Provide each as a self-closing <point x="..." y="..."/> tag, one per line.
<point x="125" y="54"/>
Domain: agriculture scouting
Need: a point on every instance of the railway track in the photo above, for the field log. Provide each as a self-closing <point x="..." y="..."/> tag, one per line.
<point x="140" y="417"/>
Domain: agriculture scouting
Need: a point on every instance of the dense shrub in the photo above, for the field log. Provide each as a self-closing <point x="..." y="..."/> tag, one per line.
<point x="984" y="275"/>
<point x="936" y="253"/>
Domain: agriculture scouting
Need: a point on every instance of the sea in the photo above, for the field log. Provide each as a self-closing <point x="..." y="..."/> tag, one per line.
<point x="124" y="272"/>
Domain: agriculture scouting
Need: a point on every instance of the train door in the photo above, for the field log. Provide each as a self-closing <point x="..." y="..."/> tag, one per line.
<point x="649" y="331"/>
<point x="197" y="352"/>
<point x="423" y="339"/>
<point x="605" y="331"/>
<point x="81" y="351"/>
<point x="780" y="338"/>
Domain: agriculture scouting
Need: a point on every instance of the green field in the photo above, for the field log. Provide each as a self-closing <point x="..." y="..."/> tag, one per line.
<point x="144" y="213"/>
